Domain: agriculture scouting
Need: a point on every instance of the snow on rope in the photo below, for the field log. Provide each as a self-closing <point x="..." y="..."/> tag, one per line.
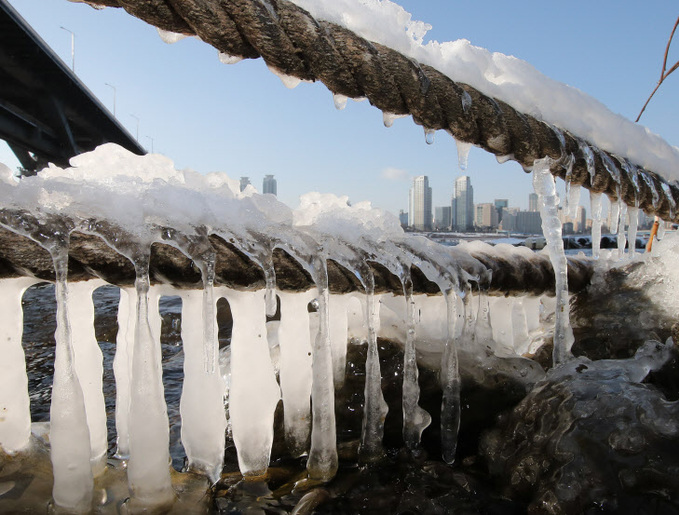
<point x="294" y="43"/>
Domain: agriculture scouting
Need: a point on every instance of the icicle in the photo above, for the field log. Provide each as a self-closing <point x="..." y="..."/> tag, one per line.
<point x="208" y="315"/>
<point x="503" y="159"/>
<point x="573" y="200"/>
<point x="170" y="37"/>
<point x="520" y="327"/>
<point x="295" y="369"/>
<point x="415" y="419"/>
<point x="589" y="160"/>
<point x="544" y="185"/>
<point x="339" y="336"/>
<point x="122" y="363"/>
<point x="654" y="192"/>
<point x="322" y="462"/>
<point x="463" y="149"/>
<point x="229" y="59"/>
<point x="633" y="216"/>
<point x="288" y="81"/>
<point x="69" y="433"/>
<point x="615" y="216"/>
<point x="503" y="334"/>
<point x="661" y="230"/>
<point x="483" y="330"/>
<point x="375" y="408"/>
<point x="15" y="423"/>
<point x="429" y="136"/>
<point x="670" y="198"/>
<point x="251" y="415"/>
<point x="89" y="367"/>
<point x="340" y="101"/>
<point x="450" y="383"/>
<point x="202" y="401"/>
<point x="148" y="469"/>
<point x="466" y="100"/>
<point x="270" y="291"/>
<point x="388" y="118"/>
<point x="622" y="236"/>
<point x="595" y="201"/>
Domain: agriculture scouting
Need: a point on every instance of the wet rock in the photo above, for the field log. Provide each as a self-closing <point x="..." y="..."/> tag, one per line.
<point x="592" y="438"/>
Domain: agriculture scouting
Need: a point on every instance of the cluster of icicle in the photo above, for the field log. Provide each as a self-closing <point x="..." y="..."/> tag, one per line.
<point x="132" y="202"/>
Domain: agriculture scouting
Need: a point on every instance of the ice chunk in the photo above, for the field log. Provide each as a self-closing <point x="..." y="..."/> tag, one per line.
<point x="340" y="101"/>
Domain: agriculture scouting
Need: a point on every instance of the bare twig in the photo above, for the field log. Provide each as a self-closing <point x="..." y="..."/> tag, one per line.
<point x="663" y="74"/>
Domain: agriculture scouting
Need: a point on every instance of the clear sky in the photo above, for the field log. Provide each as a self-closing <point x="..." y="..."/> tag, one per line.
<point x="241" y="120"/>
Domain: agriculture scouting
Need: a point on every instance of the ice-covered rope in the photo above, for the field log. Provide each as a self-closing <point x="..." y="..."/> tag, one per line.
<point x="290" y="40"/>
<point x="517" y="271"/>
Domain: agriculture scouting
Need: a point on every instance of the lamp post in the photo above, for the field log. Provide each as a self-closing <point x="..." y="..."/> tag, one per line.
<point x="72" y="48"/>
<point x="114" y="97"/>
<point x="136" y="118"/>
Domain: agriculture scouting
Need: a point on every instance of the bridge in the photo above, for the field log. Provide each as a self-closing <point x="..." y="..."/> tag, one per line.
<point x="47" y="115"/>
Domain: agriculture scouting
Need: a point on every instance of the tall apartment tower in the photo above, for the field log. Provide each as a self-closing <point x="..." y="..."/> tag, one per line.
<point x="419" y="204"/>
<point x="244" y="182"/>
<point x="463" y="204"/>
<point x="533" y="202"/>
<point x="269" y="185"/>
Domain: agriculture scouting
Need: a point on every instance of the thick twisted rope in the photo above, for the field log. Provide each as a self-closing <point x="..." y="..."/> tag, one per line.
<point x="289" y="39"/>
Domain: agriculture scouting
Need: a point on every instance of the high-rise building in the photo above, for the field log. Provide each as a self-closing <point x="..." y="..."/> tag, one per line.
<point x="501" y="205"/>
<point x="403" y="218"/>
<point x="486" y="216"/>
<point x="244" y="182"/>
<point x="443" y="217"/>
<point x="463" y="204"/>
<point x="269" y="185"/>
<point x="533" y="202"/>
<point x="581" y="220"/>
<point x="419" y="204"/>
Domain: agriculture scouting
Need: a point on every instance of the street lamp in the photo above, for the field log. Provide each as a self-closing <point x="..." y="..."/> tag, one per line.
<point x="136" y="118"/>
<point x="72" y="48"/>
<point x="114" y="97"/>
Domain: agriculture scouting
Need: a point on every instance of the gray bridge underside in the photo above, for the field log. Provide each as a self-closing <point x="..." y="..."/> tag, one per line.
<point x="46" y="113"/>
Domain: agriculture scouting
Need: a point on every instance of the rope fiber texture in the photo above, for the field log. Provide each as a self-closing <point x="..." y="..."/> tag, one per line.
<point x="289" y="39"/>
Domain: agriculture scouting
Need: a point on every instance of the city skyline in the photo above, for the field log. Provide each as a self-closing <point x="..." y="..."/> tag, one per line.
<point x="241" y="120"/>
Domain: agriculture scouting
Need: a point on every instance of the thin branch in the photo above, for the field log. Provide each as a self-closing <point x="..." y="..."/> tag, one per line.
<point x="663" y="74"/>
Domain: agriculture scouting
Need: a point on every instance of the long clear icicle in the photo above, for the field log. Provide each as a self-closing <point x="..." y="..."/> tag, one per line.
<point x="415" y="419"/>
<point x="375" y="407"/>
<point x="622" y="235"/>
<point x="450" y="383"/>
<point x="15" y="424"/>
<point x="595" y="201"/>
<point x="322" y="463"/>
<point x="633" y="215"/>
<point x="122" y="363"/>
<point x="89" y="367"/>
<point x="202" y="401"/>
<point x="69" y="432"/>
<point x="545" y="187"/>
<point x="148" y="469"/>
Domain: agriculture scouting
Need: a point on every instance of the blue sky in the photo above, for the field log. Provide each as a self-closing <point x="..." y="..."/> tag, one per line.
<point x="241" y="120"/>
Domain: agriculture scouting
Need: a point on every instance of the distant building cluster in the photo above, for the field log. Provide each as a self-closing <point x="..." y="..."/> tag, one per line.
<point x="462" y="215"/>
<point x="269" y="184"/>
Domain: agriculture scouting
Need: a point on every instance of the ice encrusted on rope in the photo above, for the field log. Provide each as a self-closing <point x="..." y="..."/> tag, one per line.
<point x="503" y="77"/>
